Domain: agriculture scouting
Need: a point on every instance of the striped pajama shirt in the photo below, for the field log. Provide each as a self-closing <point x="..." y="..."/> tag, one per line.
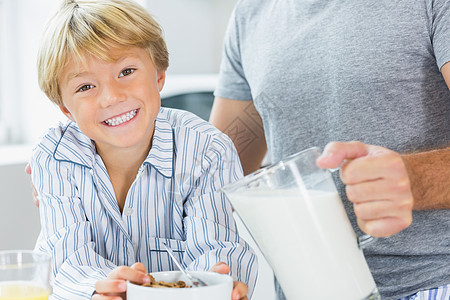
<point x="175" y="199"/>
<point x="439" y="293"/>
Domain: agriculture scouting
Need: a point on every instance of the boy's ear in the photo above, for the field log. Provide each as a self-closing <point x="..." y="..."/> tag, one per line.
<point x="66" y="112"/>
<point x="161" y="79"/>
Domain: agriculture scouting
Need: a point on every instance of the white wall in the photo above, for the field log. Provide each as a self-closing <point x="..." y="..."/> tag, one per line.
<point x="19" y="217"/>
<point x="35" y="111"/>
<point x="30" y="112"/>
<point x="194" y="31"/>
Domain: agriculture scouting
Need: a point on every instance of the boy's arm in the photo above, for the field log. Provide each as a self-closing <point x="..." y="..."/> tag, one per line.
<point x="65" y="231"/>
<point x="211" y="234"/>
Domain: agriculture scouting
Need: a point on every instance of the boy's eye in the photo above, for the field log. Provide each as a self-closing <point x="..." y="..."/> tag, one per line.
<point x="85" y="87"/>
<point x="126" y="72"/>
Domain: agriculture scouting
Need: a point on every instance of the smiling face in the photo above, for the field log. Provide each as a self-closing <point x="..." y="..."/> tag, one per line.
<point x="115" y="103"/>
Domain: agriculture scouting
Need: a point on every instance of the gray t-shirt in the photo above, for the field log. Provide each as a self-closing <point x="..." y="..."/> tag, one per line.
<point x="320" y="71"/>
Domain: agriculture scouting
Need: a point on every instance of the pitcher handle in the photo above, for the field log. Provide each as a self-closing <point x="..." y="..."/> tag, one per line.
<point x="365" y="239"/>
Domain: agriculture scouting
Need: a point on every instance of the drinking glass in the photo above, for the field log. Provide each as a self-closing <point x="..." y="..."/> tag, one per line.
<point x="24" y="275"/>
<point x="294" y="213"/>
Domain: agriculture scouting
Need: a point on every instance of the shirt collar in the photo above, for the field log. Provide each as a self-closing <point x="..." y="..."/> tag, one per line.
<point x="161" y="154"/>
<point x="77" y="148"/>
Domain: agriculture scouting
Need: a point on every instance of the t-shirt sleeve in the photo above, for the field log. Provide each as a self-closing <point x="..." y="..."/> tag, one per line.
<point x="441" y="31"/>
<point x="232" y="83"/>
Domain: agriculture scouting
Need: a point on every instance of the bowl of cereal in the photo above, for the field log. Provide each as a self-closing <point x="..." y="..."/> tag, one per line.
<point x="172" y="285"/>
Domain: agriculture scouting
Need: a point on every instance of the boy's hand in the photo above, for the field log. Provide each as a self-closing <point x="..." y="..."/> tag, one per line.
<point x="114" y="287"/>
<point x="240" y="289"/>
<point x="377" y="183"/>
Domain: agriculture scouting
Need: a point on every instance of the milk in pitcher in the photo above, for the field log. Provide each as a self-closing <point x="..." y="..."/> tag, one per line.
<point x="308" y="241"/>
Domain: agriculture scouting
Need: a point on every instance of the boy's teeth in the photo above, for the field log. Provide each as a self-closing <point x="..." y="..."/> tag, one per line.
<point x="121" y="119"/>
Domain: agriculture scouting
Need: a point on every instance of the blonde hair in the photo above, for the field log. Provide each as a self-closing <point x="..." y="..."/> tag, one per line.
<point x="82" y="27"/>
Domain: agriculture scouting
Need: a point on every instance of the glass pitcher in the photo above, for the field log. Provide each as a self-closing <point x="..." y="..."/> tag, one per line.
<point x="293" y="212"/>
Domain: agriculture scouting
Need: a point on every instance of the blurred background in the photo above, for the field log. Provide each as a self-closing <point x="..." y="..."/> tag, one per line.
<point x="194" y="31"/>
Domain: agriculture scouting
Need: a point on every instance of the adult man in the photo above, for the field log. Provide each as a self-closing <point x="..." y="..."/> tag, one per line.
<point x="321" y="71"/>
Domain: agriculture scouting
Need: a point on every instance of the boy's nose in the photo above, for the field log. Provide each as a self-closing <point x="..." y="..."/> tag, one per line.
<point x="112" y="93"/>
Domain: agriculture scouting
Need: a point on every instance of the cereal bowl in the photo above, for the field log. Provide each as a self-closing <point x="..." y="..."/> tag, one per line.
<point x="219" y="287"/>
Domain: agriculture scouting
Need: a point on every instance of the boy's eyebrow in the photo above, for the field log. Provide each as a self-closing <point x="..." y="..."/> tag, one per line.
<point x="73" y="75"/>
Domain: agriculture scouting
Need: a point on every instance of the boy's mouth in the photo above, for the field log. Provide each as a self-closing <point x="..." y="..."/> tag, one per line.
<point x="121" y="119"/>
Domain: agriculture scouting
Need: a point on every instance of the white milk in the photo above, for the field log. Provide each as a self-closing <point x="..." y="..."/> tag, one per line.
<point x="308" y="241"/>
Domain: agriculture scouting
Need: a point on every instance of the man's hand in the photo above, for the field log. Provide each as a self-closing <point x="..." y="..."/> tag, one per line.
<point x="377" y="183"/>
<point x="33" y="189"/>
<point x="114" y="287"/>
<point x="240" y="289"/>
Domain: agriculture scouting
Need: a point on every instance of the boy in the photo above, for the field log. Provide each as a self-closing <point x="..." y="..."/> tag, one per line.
<point x="125" y="175"/>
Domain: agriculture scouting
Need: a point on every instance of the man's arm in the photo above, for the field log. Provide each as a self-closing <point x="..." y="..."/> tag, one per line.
<point x="242" y="123"/>
<point x="445" y="70"/>
<point x="429" y="172"/>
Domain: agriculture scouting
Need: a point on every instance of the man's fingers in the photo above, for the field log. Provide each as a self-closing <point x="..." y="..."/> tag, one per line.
<point x="378" y="190"/>
<point x="378" y="216"/>
<point x="33" y="189"/>
<point x="34" y="194"/>
<point x="28" y="169"/>
<point x="335" y="153"/>
<point x="379" y="209"/>
<point x="384" y="164"/>
<point x="384" y="227"/>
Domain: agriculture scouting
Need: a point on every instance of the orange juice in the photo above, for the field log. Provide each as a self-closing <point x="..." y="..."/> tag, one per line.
<point x="22" y="290"/>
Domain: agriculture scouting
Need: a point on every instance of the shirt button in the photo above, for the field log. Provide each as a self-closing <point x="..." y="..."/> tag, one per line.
<point x="128" y="211"/>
